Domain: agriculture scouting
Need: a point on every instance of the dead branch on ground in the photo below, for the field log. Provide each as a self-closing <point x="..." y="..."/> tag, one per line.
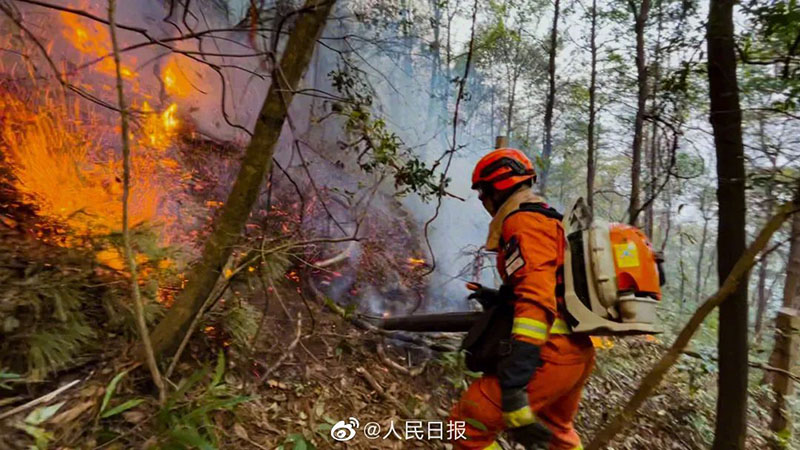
<point x="382" y="392"/>
<point x="38" y="401"/>
<point x="391" y="363"/>
<point x="287" y="353"/>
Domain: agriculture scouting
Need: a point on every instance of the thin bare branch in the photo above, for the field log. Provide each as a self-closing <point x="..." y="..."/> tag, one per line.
<point x="126" y="232"/>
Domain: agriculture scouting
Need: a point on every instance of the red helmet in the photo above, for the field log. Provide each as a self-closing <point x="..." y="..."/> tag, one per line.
<point x="502" y="168"/>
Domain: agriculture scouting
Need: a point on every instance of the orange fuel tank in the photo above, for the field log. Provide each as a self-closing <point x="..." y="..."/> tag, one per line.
<point x="635" y="261"/>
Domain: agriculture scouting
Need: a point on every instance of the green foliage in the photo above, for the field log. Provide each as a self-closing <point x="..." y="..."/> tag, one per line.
<point x="54" y="348"/>
<point x="239" y="322"/>
<point x="185" y="421"/>
<point x="58" y="306"/>
<point x="378" y="149"/>
<point x="771" y="45"/>
<point x="45" y="319"/>
<point x="122" y="407"/>
<point x="5" y="377"/>
<point x="455" y="368"/>
<point x="31" y="425"/>
<point x="296" y="441"/>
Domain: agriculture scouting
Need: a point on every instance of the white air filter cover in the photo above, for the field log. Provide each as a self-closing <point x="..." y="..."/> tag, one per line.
<point x="601" y="259"/>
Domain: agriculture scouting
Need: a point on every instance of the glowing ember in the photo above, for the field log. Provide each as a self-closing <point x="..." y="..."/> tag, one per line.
<point x="293" y="276"/>
<point x="416" y="261"/>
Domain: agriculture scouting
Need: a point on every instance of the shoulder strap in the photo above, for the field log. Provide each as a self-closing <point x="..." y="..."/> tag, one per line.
<point x="550" y="212"/>
<point x="541" y="208"/>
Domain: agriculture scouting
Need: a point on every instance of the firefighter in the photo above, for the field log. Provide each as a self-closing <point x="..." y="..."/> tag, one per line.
<point x="535" y="391"/>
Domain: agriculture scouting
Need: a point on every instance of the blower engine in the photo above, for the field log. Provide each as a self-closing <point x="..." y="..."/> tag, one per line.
<point x="612" y="276"/>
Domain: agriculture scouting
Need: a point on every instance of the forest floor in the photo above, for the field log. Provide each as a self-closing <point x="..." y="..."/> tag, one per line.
<point x="309" y="368"/>
<point x="342" y="371"/>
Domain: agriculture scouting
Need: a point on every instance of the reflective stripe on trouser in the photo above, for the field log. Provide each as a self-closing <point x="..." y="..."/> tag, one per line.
<point x="553" y="393"/>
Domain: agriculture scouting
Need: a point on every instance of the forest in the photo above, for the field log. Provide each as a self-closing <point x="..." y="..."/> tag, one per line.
<point x="262" y="224"/>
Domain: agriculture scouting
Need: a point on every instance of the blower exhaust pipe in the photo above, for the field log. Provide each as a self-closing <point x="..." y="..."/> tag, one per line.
<point x="445" y="322"/>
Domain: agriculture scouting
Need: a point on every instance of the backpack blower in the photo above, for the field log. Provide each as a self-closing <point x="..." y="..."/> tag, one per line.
<point x="612" y="276"/>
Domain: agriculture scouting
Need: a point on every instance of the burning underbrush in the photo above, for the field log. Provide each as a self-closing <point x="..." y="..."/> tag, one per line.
<point x="276" y="361"/>
<point x="276" y="340"/>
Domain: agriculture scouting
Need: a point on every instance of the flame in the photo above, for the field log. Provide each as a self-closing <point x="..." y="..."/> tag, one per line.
<point x="67" y="172"/>
<point x="416" y="261"/>
<point x="602" y="342"/>
<point x="93" y="39"/>
<point x="176" y="83"/>
<point x="159" y="129"/>
<point x="293" y="276"/>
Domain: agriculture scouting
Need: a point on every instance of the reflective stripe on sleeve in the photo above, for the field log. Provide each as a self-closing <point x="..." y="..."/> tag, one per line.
<point x="560" y="327"/>
<point x="493" y="446"/>
<point x="531" y="328"/>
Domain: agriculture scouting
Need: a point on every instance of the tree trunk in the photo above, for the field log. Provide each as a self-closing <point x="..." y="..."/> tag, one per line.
<point x="547" y="149"/>
<point x="667" y="221"/>
<point x="590" y="146"/>
<point x="701" y="251"/>
<point x="640" y="19"/>
<point x="791" y="290"/>
<point x="654" y="147"/>
<point x="761" y="296"/>
<point x="435" y="105"/>
<point x="511" y="98"/>
<point x="791" y="285"/>
<point x="726" y="119"/>
<point x="681" y="269"/>
<point x="785" y="358"/>
<point x="256" y="163"/>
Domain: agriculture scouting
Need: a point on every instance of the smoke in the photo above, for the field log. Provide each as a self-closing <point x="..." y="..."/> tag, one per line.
<point x="219" y="94"/>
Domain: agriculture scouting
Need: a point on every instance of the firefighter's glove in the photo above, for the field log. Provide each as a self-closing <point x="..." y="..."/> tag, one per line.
<point x="523" y="426"/>
<point x="487" y="296"/>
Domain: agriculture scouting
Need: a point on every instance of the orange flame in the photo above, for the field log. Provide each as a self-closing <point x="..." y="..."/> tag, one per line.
<point x="159" y="129"/>
<point x="176" y="82"/>
<point x="602" y="342"/>
<point x="416" y="261"/>
<point x="93" y="39"/>
<point x="70" y="177"/>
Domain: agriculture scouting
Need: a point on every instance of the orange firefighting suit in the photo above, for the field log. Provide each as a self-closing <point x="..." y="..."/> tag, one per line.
<point x="530" y="249"/>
